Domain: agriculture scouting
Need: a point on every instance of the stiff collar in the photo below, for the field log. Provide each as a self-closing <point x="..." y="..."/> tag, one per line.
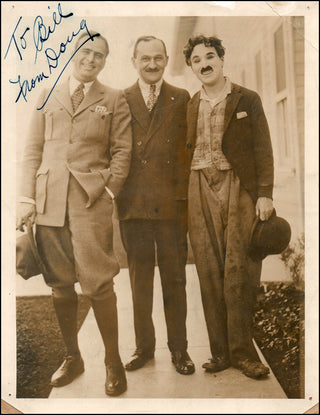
<point x="74" y="83"/>
<point x="145" y="88"/>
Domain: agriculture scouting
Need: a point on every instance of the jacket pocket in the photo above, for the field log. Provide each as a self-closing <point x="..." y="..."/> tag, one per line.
<point x="41" y="190"/>
<point x="98" y="125"/>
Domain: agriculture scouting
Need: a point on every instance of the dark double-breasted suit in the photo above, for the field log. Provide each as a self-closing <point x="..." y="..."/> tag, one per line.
<point x="152" y="212"/>
<point x="69" y="158"/>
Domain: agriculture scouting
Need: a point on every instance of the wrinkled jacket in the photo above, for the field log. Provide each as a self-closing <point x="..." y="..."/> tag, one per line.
<point x="246" y="140"/>
<point x="93" y="144"/>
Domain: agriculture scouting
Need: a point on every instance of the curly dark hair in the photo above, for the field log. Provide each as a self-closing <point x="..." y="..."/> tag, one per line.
<point x="207" y="41"/>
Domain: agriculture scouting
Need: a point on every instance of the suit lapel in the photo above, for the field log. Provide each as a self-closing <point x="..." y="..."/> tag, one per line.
<point x="138" y="106"/>
<point x="95" y="94"/>
<point x="192" y="118"/>
<point x="62" y="94"/>
<point x="231" y="104"/>
<point x="162" y="110"/>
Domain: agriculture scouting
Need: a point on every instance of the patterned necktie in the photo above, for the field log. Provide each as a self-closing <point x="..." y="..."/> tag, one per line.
<point x="152" y="97"/>
<point x="77" y="97"/>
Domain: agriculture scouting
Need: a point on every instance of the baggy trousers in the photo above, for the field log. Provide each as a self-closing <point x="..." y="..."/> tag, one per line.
<point x="221" y="214"/>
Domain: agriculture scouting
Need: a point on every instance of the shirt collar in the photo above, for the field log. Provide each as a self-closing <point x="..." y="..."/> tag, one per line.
<point x="221" y="95"/>
<point x="74" y="83"/>
<point x="145" y="88"/>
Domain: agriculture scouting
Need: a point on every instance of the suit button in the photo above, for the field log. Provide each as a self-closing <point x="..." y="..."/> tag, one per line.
<point x="144" y="161"/>
<point x="168" y="140"/>
<point x="139" y="143"/>
<point x="168" y="161"/>
<point x="189" y="145"/>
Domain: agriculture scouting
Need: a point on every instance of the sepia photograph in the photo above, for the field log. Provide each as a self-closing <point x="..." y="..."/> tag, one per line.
<point x="160" y="207"/>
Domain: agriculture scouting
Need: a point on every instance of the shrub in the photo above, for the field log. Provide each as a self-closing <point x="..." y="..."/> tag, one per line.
<point x="279" y="332"/>
<point x="293" y="258"/>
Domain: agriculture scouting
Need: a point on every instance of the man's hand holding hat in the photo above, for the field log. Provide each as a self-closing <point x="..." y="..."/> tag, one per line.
<point x="26" y="211"/>
<point x="264" y="208"/>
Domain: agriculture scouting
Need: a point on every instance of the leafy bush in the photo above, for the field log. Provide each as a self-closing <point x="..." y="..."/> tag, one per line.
<point x="279" y="332"/>
<point x="293" y="258"/>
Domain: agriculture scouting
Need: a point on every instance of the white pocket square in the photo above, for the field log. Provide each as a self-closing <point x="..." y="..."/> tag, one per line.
<point x="102" y="109"/>
<point x="241" y="115"/>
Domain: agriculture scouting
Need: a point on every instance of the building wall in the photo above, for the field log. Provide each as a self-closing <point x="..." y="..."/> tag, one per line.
<point x="298" y="55"/>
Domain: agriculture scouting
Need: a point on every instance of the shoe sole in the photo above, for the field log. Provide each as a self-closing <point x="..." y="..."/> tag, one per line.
<point x="219" y="369"/>
<point x="190" y="372"/>
<point x="64" y="383"/>
<point x="131" y="369"/>
<point x="117" y="393"/>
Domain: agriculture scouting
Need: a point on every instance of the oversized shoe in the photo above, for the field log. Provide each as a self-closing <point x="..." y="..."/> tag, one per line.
<point x="71" y="368"/>
<point x="252" y="369"/>
<point x="216" y="364"/>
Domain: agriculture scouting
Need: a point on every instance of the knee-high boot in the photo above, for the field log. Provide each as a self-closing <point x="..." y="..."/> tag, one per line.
<point x="106" y="315"/>
<point x="66" y="311"/>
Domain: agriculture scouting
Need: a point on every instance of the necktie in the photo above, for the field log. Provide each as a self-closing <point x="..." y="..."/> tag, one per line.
<point x="152" y="97"/>
<point x="77" y="97"/>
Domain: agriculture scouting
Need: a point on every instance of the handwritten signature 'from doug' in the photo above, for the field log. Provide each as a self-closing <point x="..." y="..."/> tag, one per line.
<point x="40" y="34"/>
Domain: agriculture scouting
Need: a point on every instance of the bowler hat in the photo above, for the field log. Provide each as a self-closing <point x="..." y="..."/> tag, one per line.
<point x="269" y="237"/>
<point x="28" y="261"/>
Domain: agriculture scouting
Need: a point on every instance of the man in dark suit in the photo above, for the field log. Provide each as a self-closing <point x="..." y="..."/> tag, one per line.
<point x="152" y="204"/>
<point x="76" y="159"/>
<point x="231" y="182"/>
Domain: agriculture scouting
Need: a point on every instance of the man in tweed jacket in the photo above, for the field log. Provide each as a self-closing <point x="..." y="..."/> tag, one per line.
<point x="76" y="159"/>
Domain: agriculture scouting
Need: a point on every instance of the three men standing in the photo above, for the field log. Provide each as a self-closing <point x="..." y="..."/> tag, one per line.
<point x="152" y="204"/>
<point x="77" y="159"/>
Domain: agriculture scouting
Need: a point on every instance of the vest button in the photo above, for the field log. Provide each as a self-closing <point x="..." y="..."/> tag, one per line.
<point x="144" y="161"/>
<point x="139" y="143"/>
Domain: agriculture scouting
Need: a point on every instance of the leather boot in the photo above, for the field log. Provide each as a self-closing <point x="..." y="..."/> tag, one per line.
<point x="66" y="311"/>
<point x="105" y="312"/>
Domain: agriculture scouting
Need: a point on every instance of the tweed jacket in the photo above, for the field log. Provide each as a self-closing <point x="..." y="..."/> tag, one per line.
<point x="93" y="144"/>
<point x="246" y="140"/>
<point x="156" y="179"/>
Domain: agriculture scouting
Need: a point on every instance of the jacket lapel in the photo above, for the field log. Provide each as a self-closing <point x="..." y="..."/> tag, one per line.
<point x="162" y="110"/>
<point x="192" y="118"/>
<point x="232" y="102"/>
<point x="95" y="94"/>
<point x="138" y="107"/>
<point x="62" y="94"/>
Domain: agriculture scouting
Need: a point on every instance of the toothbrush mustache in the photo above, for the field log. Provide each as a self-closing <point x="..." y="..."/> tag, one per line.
<point x="207" y="68"/>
